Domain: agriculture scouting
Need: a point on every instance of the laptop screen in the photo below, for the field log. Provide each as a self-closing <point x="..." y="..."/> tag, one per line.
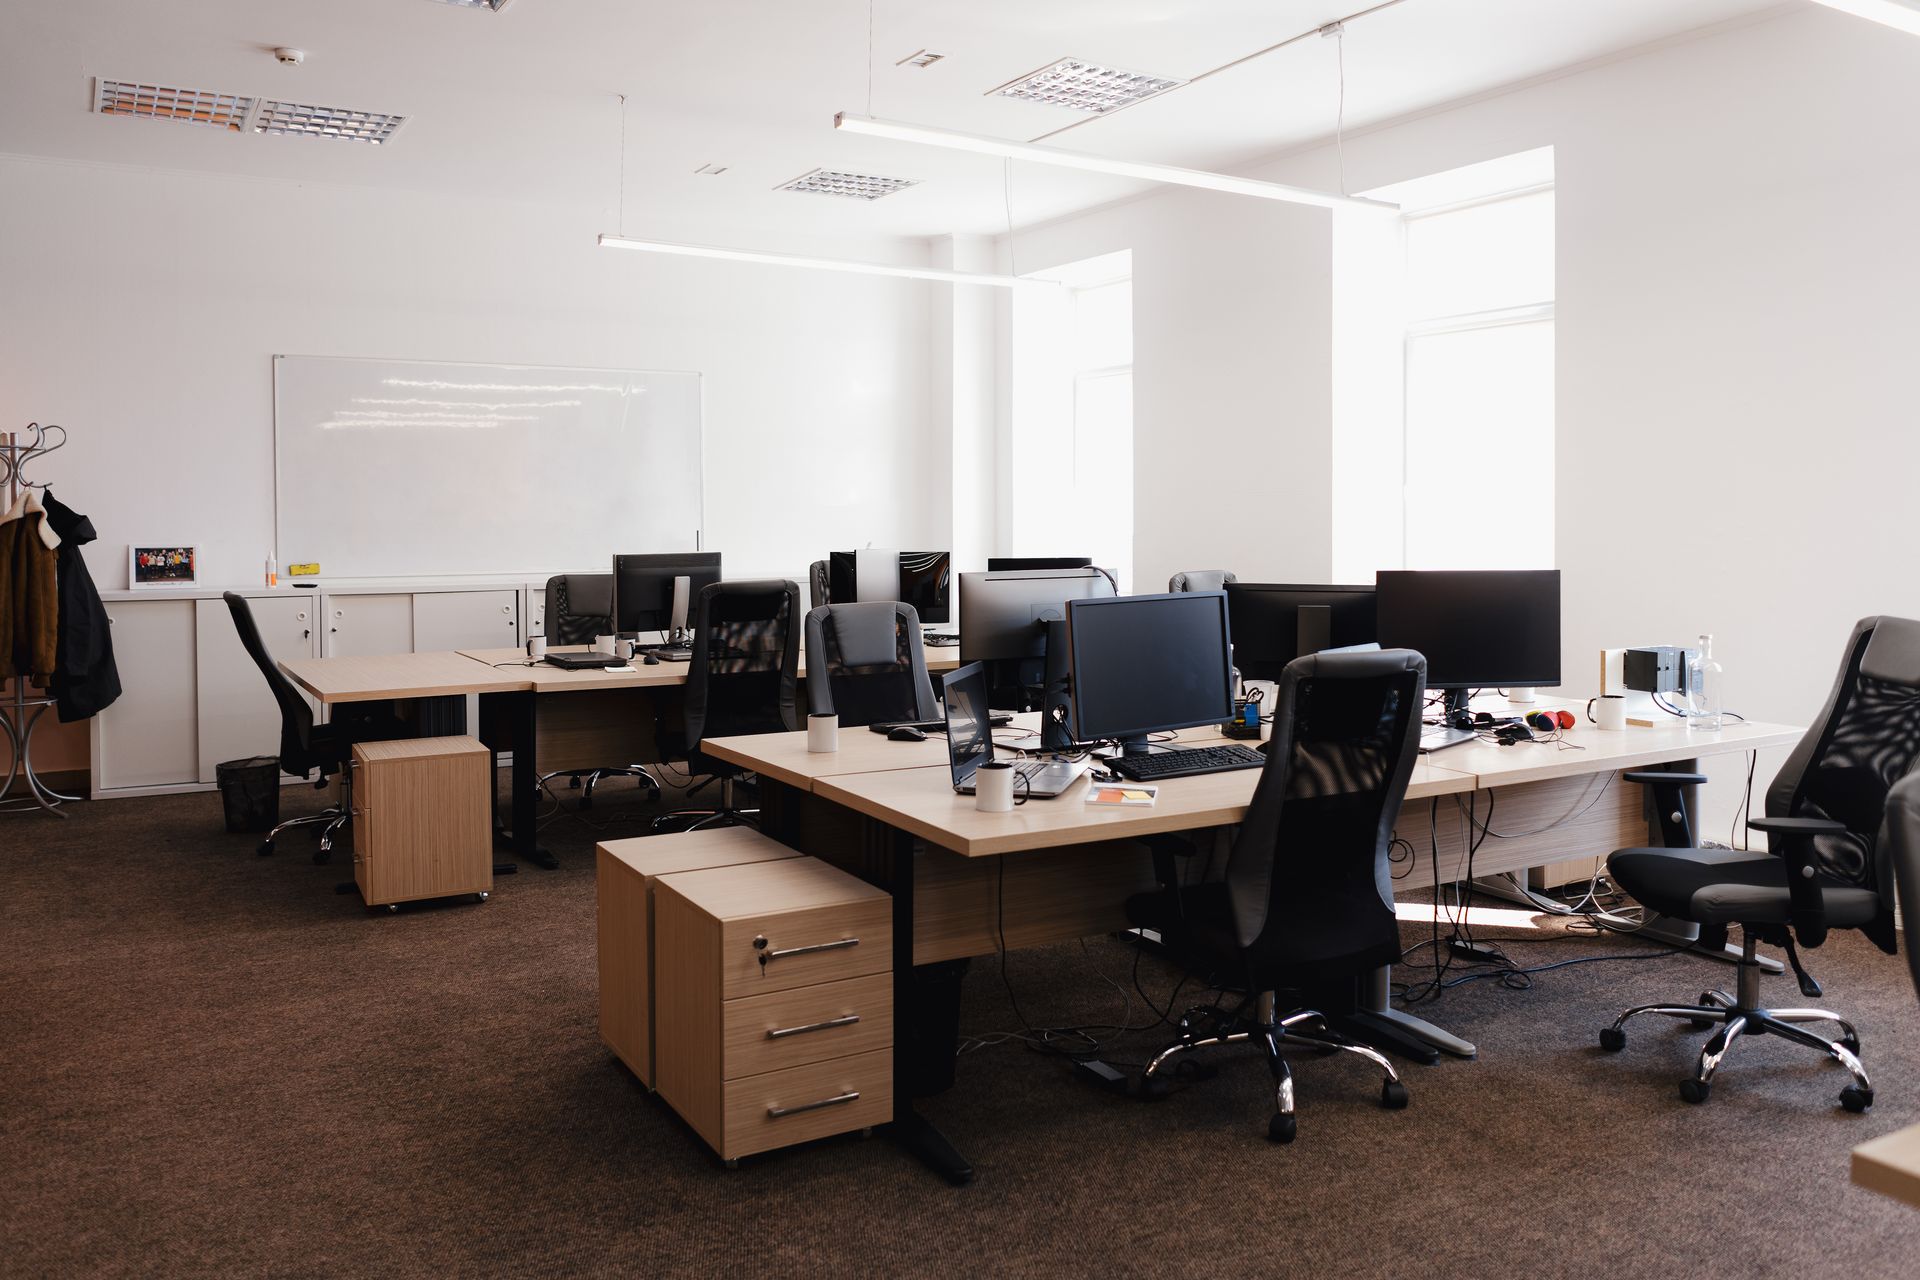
<point x="969" y="722"/>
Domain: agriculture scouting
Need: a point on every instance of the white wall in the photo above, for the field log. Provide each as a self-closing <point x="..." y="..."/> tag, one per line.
<point x="1232" y="353"/>
<point x="1737" y="316"/>
<point x="142" y="308"/>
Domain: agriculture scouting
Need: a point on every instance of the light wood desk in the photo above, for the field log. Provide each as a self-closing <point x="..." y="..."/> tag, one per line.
<point x="390" y="677"/>
<point x="1890" y="1164"/>
<point x="1057" y="869"/>
<point x="551" y="679"/>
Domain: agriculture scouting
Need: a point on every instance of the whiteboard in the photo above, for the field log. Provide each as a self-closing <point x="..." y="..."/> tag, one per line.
<point x="386" y="468"/>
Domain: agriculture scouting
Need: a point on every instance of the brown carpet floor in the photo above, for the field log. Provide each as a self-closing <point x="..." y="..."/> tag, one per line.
<point x="210" y="1064"/>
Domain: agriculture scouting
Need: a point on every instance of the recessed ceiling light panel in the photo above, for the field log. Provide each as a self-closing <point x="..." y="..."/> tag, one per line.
<point x="303" y="121"/>
<point x="1085" y="86"/>
<point x="923" y="59"/>
<point x="157" y="102"/>
<point x="857" y="186"/>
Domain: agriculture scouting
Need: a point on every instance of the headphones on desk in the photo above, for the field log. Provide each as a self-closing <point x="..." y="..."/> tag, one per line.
<point x="1550" y="721"/>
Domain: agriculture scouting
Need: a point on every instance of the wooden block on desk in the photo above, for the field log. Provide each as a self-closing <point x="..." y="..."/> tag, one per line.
<point x="420" y="819"/>
<point x="626" y="873"/>
<point x="773" y="988"/>
<point x="1890" y="1164"/>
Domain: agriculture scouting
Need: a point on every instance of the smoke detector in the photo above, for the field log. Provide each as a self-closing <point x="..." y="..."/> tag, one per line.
<point x="289" y="57"/>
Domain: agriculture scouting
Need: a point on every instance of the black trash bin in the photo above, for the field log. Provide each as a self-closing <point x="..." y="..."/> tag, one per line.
<point x="250" y="792"/>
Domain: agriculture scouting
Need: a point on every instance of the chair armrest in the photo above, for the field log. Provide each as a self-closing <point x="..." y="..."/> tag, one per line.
<point x="1799" y="826"/>
<point x="1656" y="777"/>
<point x="1794" y="846"/>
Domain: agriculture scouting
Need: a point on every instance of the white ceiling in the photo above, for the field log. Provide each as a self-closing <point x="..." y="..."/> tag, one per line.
<point x="523" y="103"/>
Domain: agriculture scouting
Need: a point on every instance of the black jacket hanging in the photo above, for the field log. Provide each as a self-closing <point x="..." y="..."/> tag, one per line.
<point x="85" y="680"/>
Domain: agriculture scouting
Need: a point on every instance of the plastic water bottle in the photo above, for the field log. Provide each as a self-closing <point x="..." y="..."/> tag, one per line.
<point x="1704" y="677"/>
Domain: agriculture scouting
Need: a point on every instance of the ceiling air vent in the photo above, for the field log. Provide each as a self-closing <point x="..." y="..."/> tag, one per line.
<point x="858" y="186"/>
<point x="1085" y="86"/>
<point x="158" y="102"/>
<point x="303" y="121"/>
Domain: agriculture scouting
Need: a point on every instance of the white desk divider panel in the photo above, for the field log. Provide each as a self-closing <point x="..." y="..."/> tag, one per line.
<point x="396" y="468"/>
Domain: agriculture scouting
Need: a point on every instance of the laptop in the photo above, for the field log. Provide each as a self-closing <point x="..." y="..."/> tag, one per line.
<point x="970" y="742"/>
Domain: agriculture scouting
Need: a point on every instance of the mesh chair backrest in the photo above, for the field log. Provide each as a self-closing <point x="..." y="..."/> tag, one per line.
<point x="1866" y="740"/>
<point x="746" y="652"/>
<point x="579" y="607"/>
<point x="819" y="582"/>
<point x="1309" y="866"/>
<point x="296" y="716"/>
<point x="865" y="663"/>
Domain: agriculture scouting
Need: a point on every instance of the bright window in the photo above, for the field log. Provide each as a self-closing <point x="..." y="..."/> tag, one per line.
<point x="1479" y="384"/>
<point x="1073" y="417"/>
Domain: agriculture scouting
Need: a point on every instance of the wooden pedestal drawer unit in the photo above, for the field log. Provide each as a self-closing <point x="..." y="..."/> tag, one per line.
<point x="421" y="826"/>
<point x="773" y="986"/>
<point x="626" y="872"/>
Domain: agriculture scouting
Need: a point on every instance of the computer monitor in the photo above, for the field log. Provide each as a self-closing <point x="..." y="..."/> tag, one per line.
<point x="923" y="579"/>
<point x="1480" y="629"/>
<point x="1146" y="664"/>
<point x="1022" y="564"/>
<point x="1003" y="623"/>
<point x="660" y="592"/>
<point x="1273" y="624"/>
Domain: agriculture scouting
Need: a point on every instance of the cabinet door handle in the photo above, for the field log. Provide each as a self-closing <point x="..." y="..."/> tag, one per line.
<point x="760" y="945"/>
<point x="838" y="1100"/>
<point x="781" y="1033"/>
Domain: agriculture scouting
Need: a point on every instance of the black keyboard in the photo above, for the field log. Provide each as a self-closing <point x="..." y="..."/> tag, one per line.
<point x="1186" y="762"/>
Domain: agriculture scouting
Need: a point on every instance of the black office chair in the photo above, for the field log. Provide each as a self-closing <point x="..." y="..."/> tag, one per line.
<point x="580" y="607"/>
<point x="742" y="679"/>
<point x="1307" y="900"/>
<point x="820" y="583"/>
<point x="1825" y="867"/>
<point x="305" y="746"/>
<point x="865" y="664"/>
<point x="1201" y="580"/>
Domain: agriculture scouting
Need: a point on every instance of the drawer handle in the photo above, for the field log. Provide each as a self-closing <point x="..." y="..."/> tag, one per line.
<point x="781" y="1033"/>
<point x="838" y="1100"/>
<point x="760" y="945"/>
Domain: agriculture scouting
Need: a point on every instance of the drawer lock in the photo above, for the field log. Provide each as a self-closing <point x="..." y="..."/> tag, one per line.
<point x="768" y="954"/>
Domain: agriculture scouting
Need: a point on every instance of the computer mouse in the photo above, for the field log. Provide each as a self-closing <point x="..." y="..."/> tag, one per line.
<point x="651" y="661"/>
<point x="906" y="733"/>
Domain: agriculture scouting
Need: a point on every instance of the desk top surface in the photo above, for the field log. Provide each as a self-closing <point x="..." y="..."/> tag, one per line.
<point x="923" y="802"/>
<point x="444" y="673"/>
<point x="1890" y="1164"/>
<point x="398" y="675"/>
<point x="784" y="756"/>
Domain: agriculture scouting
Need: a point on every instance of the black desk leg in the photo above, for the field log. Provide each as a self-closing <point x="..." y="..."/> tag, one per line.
<point x="523" y="836"/>
<point x="909" y="1128"/>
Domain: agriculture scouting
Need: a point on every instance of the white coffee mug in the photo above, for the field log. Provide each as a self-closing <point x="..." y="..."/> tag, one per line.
<point x="823" y="732"/>
<point x="624" y="649"/>
<point x="1609" y="711"/>
<point x="606" y="644"/>
<point x="536" y="648"/>
<point x="993" y="787"/>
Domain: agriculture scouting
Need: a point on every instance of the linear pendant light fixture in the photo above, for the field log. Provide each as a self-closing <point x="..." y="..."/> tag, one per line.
<point x="867" y="126"/>
<point x="1904" y="14"/>
<point x="819" y="264"/>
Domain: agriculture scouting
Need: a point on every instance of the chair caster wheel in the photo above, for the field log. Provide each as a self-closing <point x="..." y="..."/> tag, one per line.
<point x="1281" y="1129"/>
<point x="480" y="897"/>
<point x="1851" y="1044"/>
<point x="265" y="849"/>
<point x="573" y="784"/>
<point x="1393" y="1096"/>
<point x="393" y="908"/>
<point x="1856" y="1099"/>
<point x="1613" y="1039"/>
<point x="1695" y="1092"/>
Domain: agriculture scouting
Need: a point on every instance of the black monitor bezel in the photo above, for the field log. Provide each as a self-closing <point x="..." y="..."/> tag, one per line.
<point x="1219" y="715"/>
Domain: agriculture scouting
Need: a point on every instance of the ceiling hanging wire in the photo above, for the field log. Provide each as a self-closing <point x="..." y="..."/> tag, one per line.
<point x="620" y="219"/>
<point x="1338" y="34"/>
